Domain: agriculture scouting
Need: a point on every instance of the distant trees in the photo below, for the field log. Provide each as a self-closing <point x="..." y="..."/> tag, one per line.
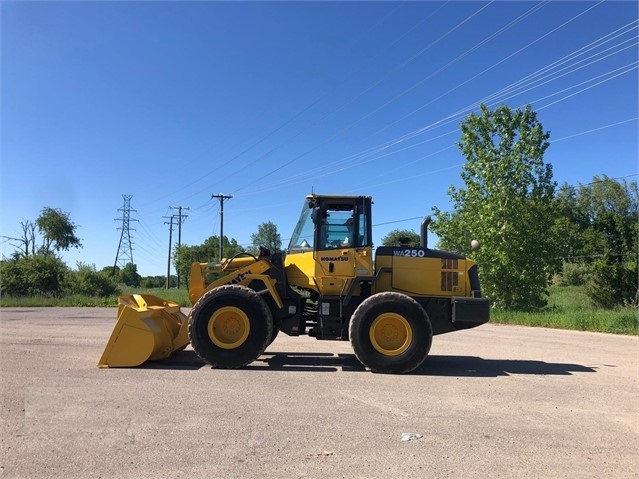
<point x="400" y="237"/>
<point x="87" y="281"/>
<point x="207" y="252"/>
<point x="266" y="236"/>
<point x="48" y="276"/>
<point x="596" y="232"/>
<point x="56" y="230"/>
<point x="129" y="275"/>
<point x="35" y="269"/>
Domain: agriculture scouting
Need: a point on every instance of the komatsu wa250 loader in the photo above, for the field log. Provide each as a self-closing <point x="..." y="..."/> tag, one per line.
<point x="329" y="284"/>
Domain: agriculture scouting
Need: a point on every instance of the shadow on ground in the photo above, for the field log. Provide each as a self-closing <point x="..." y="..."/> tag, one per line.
<point x="455" y="366"/>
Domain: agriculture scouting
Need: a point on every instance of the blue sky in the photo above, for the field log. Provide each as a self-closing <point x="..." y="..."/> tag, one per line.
<point x="173" y="102"/>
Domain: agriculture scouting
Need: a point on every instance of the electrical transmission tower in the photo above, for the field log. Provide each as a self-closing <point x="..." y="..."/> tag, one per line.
<point x="125" y="250"/>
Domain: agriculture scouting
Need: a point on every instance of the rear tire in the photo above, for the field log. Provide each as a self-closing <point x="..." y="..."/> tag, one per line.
<point x="390" y="333"/>
<point x="276" y="331"/>
<point x="230" y="326"/>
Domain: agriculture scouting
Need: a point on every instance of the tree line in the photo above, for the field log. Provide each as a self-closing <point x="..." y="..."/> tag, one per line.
<point x="532" y="231"/>
<point x="36" y="268"/>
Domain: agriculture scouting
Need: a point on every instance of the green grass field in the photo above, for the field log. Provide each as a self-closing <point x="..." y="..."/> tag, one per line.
<point x="568" y="308"/>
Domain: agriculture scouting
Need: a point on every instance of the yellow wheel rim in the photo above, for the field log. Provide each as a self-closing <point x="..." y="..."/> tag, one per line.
<point x="229" y="327"/>
<point x="390" y="334"/>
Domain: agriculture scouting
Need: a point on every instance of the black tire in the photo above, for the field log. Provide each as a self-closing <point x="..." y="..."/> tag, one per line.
<point x="390" y="333"/>
<point x="230" y="326"/>
<point x="276" y="331"/>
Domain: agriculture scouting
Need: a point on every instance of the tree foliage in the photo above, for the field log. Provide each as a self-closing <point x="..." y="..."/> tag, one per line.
<point x="129" y="275"/>
<point x="87" y="281"/>
<point x="506" y="204"/>
<point x="206" y="252"/>
<point x="47" y="275"/>
<point x="38" y="271"/>
<point x="611" y="210"/>
<point x="267" y="237"/>
<point x="58" y="231"/>
<point x="401" y="238"/>
<point x="596" y="227"/>
<point x="39" y="275"/>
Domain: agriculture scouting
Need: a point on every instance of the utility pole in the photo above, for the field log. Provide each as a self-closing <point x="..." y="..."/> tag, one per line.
<point x="168" y="262"/>
<point x="221" y="197"/>
<point x="180" y="218"/>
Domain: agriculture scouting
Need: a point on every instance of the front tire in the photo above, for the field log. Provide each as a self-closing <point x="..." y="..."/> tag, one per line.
<point x="390" y="333"/>
<point x="230" y="326"/>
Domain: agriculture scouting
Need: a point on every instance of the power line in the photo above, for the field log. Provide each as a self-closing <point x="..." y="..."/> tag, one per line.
<point x="595" y="129"/>
<point x="532" y="80"/>
<point x="449" y="119"/>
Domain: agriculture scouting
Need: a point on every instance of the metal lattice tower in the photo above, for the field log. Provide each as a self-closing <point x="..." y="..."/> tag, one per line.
<point x="125" y="250"/>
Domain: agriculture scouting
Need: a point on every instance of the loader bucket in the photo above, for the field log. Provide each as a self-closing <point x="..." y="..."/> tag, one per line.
<point x="147" y="328"/>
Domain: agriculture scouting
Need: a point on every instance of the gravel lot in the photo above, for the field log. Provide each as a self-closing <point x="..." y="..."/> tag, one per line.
<point x="496" y="401"/>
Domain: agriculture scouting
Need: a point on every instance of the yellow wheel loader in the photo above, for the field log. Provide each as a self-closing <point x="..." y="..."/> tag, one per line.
<point x="329" y="285"/>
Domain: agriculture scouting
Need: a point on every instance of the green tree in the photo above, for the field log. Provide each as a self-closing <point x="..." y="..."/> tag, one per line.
<point x="506" y="204"/>
<point x="267" y="237"/>
<point x="611" y="209"/>
<point x="111" y="270"/>
<point x="401" y="238"/>
<point x="158" y="281"/>
<point x="58" y="231"/>
<point x="129" y="275"/>
<point x="568" y="227"/>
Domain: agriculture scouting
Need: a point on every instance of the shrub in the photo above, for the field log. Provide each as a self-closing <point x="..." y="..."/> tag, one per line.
<point x="39" y="275"/>
<point x="573" y="274"/>
<point x="612" y="284"/>
<point x="89" y="282"/>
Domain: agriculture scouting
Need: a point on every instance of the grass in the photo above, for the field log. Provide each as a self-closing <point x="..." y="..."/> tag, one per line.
<point x="568" y="308"/>
<point x="180" y="296"/>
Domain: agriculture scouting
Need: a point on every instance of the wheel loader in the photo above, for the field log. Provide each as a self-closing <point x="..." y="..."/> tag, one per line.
<point x="330" y="284"/>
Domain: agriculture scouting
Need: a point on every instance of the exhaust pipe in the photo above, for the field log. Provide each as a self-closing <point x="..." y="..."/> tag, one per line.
<point x="423" y="237"/>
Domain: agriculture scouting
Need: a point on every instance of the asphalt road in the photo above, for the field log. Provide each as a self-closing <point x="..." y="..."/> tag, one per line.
<point x="496" y="401"/>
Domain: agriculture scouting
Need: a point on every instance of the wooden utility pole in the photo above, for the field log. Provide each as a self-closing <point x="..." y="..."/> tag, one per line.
<point x="221" y="197"/>
<point x="168" y="263"/>
<point x="180" y="218"/>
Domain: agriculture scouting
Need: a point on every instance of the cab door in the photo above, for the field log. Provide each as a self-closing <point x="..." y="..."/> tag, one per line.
<point x="343" y="250"/>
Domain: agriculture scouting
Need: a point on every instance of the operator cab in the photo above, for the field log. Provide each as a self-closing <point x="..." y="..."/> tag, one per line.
<point x="331" y="244"/>
<point x="332" y="222"/>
